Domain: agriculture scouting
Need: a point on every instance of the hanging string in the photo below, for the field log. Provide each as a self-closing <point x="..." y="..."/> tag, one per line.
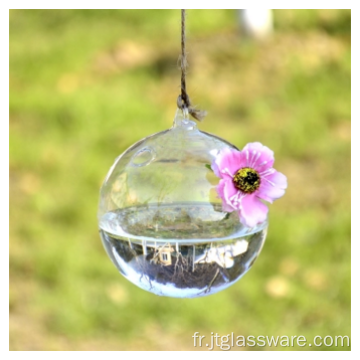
<point x="183" y="100"/>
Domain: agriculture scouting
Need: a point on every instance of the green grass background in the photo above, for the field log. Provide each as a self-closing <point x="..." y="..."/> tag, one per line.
<point x="86" y="84"/>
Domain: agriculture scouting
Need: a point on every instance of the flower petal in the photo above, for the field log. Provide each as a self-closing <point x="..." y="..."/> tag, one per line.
<point x="259" y="157"/>
<point x="228" y="162"/>
<point x="226" y="190"/>
<point x="272" y="186"/>
<point x="278" y="179"/>
<point x="215" y="169"/>
<point x="253" y="211"/>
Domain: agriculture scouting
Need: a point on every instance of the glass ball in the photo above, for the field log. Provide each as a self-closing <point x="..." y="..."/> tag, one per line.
<point x="162" y="223"/>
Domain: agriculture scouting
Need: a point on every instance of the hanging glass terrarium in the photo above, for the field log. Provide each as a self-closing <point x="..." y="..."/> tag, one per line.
<point x="167" y="221"/>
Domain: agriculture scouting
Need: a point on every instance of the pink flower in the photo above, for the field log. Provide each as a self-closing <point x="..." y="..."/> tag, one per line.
<point x="246" y="177"/>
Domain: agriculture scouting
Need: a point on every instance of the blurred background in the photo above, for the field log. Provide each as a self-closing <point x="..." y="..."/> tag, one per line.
<point x="86" y="84"/>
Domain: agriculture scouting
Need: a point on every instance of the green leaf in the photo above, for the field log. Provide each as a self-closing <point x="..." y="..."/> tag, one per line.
<point x="226" y="216"/>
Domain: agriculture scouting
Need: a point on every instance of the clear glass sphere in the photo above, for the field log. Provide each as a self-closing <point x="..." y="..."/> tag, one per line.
<point x="161" y="221"/>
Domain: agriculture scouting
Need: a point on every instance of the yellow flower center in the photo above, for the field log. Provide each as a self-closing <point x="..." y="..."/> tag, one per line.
<point x="247" y="180"/>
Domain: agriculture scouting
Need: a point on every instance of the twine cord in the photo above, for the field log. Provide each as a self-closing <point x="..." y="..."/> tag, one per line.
<point x="183" y="100"/>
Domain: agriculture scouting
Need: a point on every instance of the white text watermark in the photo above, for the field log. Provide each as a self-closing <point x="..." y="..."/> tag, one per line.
<point x="226" y="342"/>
